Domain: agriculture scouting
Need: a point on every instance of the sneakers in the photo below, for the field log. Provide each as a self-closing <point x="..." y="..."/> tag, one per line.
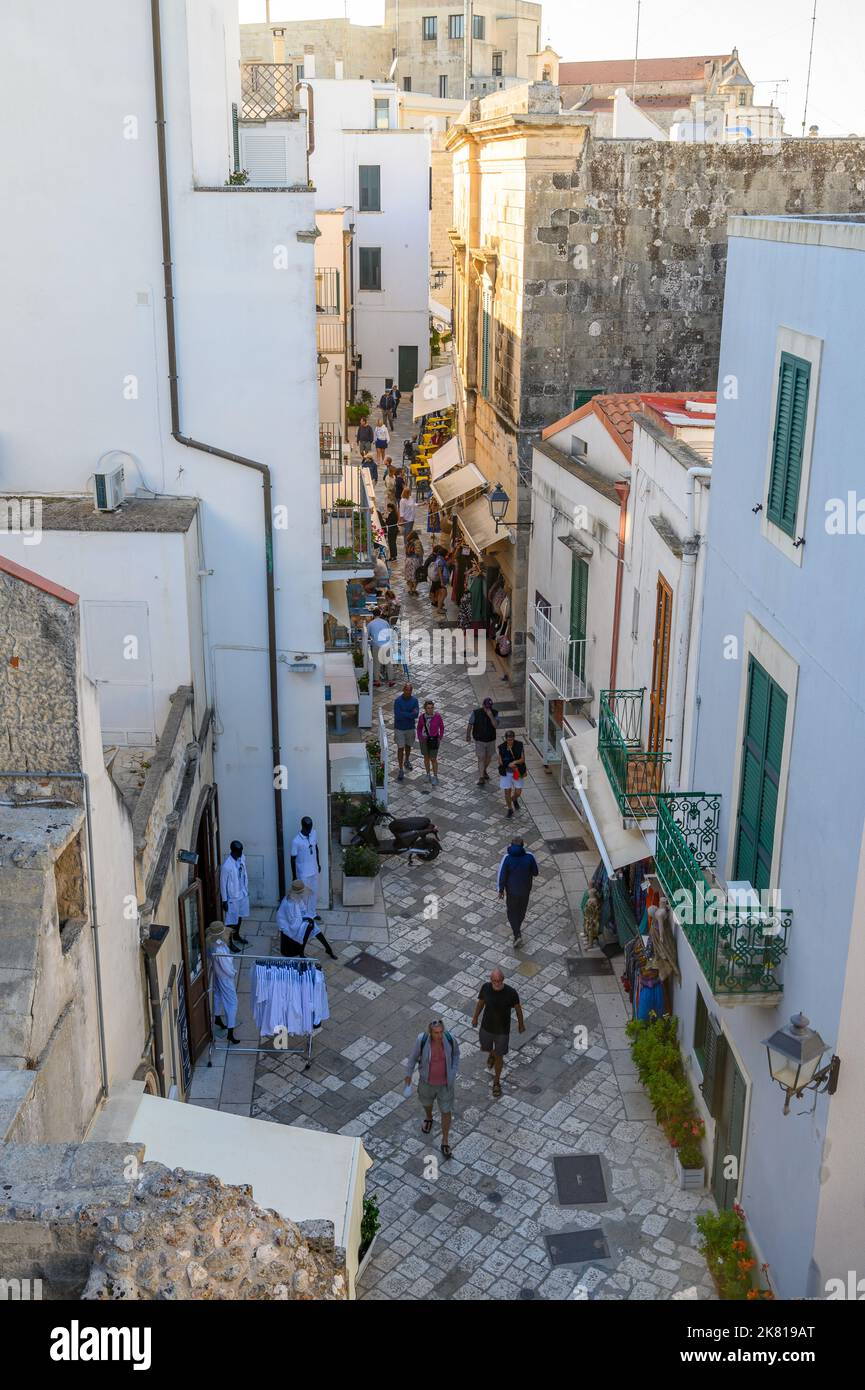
<point x="400" y="777"/>
<point x="516" y="805"/>
<point x="518" y="941"/>
<point x="510" y="812"/>
<point x="407" y="765"/>
<point x="435" y="780"/>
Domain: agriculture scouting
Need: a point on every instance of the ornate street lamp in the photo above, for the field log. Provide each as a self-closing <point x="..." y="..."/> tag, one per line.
<point x="498" y="503"/>
<point x="323" y="363"/>
<point x="794" y="1053"/>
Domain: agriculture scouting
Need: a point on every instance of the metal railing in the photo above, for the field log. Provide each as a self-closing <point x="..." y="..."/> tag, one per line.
<point x="330" y="451"/>
<point x="346" y="524"/>
<point x="739" y="946"/>
<point x="266" y="91"/>
<point x="561" y="659"/>
<point x="636" y="776"/>
<point x="330" y="335"/>
<point x="327" y="297"/>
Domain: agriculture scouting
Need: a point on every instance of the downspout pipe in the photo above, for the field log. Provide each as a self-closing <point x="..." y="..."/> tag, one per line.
<point x="84" y="779"/>
<point x="623" y="490"/>
<point x="690" y="550"/>
<point x="190" y="443"/>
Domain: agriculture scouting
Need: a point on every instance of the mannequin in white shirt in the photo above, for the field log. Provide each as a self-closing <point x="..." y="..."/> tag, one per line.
<point x="306" y="864"/>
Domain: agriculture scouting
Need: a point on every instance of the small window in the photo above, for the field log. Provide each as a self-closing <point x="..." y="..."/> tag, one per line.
<point x="370" y="188"/>
<point x="743" y="98"/>
<point x="382" y="113"/>
<point x="370" y="267"/>
<point x="388" y="383"/>
<point x="584" y="394"/>
<point x="456" y="26"/>
<point x="701" y="1028"/>
<point x="406" y="84"/>
<point x="299" y="72"/>
<point x="430" y="26"/>
<point x="543" y="605"/>
<point x="498" y="64"/>
<point x="443" y="85"/>
<point x="479" y="27"/>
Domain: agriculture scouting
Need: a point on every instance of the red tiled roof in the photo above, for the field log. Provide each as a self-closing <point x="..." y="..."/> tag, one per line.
<point x="671" y="103"/>
<point x="648" y="70"/>
<point x="38" y="581"/>
<point x="616" y="412"/>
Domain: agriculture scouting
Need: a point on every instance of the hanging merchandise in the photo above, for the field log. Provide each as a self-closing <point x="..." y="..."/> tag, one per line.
<point x="287" y="996"/>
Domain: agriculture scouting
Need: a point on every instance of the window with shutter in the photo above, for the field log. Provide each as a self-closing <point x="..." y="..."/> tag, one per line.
<point x="370" y="188"/>
<point x="579" y="607"/>
<point x="701" y="1028"/>
<point x="713" y="1068"/>
<point x="791" y="415"/>
<point x="729" y="1133"/>
<point x="370" y="267"/>
<point x="765" y="717"/>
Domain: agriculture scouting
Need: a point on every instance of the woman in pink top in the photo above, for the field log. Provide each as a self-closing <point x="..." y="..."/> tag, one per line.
<point x="430" y="732"/>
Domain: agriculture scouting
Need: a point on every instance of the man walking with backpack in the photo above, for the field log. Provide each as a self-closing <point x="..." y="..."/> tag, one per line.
<point x="436" y="1054"/>
<point x="516" y="872"/>
<point x="482" y="726"/>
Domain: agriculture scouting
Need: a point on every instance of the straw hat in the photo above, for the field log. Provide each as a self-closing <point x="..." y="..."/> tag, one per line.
<point x="217" y="931"/>
<point x="298" y="886"/>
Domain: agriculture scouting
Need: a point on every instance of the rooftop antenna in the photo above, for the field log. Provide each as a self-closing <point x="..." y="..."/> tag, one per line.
<point x="636" y="51"/>
<point x="810" y="56"/>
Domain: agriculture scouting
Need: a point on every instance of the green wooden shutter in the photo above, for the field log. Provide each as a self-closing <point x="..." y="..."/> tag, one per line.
<point x="713" y="1068"/>
<point x="791" y="414"/>
<point x="579" y="606"/>
<point x="485" y="353"/>
<point x="765" y="718"/>
<point x="701" y="1031"/>
<point x="370" y="188"/>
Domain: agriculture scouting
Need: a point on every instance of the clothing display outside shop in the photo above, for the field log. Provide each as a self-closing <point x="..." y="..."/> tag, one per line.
<point x="289" y="994"/>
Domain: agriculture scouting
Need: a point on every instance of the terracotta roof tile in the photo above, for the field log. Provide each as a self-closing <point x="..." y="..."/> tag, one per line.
<point x="38" y="581"/>
<point x="648" y="70"/>
<point x="616" y="412"/>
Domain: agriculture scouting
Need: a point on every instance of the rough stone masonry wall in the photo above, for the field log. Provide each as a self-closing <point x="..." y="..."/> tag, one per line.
<point x="642" y="310"/>
<point x="38" y="703"/>
<point x="94" y="1221"/>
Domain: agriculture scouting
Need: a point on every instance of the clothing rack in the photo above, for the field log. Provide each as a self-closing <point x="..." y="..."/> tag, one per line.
<point x="301" y="965"/>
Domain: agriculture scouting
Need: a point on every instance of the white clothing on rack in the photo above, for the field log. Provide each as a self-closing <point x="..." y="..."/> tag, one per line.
<point x="320" y="1007"/>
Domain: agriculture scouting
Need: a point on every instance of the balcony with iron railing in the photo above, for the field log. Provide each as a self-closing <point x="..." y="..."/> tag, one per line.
<point x="266" y="91"/>
<point x="636" y="775"/>
<point x="739" y="941"/>
<point x="346" y="524"/>
<point x="330" y="451"/>
<point x="330" y="336"/>
<point x="561" y="659"/>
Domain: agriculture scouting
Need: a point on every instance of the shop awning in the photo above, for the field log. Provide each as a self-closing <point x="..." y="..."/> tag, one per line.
<point x="449" y="456"/>
<point x="435" y="391"/>
<point x="456" y="486"/>
<point x="440" y="311"/>
<point x="336" y="597"/>
<point x="478" y="526"/>
<point x="617" y="846"/>
<point x="304" y="1174"/>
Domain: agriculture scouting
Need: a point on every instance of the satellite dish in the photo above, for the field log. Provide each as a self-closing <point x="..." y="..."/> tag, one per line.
<point x="392" y="70"/>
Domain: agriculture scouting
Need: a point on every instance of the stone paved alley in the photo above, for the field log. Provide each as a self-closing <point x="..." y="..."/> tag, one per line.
<point x="474" y="1227"/>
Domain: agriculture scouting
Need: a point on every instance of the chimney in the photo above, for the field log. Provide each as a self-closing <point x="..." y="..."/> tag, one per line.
<point x="308" y="60"/>
<point x="279" y="45"/>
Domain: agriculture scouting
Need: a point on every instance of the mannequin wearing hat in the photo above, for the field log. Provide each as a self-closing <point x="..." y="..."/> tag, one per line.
<point x="222" y="977"/>
<point x="296" y="926"/>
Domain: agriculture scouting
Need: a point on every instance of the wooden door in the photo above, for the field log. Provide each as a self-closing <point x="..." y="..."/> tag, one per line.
<point x="579" y="608"/>
<point x="407" y="368"/>
<point x="208" y="866"/>
<point x="729" y="1131"/>
<point x="195" y="967"/>
<point x="660" y="666"/>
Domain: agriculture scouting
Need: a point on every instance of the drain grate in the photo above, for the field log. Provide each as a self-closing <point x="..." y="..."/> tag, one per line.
<point x="578" y="966"/>
<point x="371" y="967"/>
<point x="579" y="1180"/>
<point x="568" y="844"/>
<point x="577" y="1247"/>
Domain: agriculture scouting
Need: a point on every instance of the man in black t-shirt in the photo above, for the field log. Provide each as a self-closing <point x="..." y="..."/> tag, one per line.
<point x="497" y="999"/>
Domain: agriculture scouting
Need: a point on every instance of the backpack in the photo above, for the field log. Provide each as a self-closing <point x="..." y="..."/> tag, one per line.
<point x="424" y="1039"/>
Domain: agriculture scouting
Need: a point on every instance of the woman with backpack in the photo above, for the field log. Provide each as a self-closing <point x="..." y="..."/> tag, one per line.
<point x="436" y="1054"/>
<point x="430" y="732"/>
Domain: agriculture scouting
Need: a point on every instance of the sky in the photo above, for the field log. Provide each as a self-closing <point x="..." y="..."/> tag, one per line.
<point x="773" y="38"/>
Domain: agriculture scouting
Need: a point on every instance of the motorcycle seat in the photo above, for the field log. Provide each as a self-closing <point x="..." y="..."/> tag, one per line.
<point x="401" y="827"/>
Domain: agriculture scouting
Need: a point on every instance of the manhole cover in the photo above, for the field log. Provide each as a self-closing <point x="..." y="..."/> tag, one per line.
<point x="570" y="844"/>
<point x="587" y="965"/>
<point x="371" y="967"/>
<point x="529" y="1293"/>
<point x="579" y="1179"/>
<point x="577" y="1247"/>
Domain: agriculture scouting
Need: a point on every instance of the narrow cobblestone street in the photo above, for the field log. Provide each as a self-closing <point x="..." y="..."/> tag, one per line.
<point x="479" y="1226"/>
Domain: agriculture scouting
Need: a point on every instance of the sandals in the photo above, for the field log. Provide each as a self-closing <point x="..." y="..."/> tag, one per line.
<point x="497" y="1090"/>
<point x="447" y="1151"/>
<point x="426" y="1126"/>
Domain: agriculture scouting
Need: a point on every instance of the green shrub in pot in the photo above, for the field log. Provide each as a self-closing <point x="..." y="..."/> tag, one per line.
<point x="359" y="861"/>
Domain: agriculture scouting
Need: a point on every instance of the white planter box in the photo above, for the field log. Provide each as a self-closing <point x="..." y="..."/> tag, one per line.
<point x="358" y="892"/>
<point x="690" y="1179"/>
<point x="364" y="710"/>
<point x="367" y="1257"/>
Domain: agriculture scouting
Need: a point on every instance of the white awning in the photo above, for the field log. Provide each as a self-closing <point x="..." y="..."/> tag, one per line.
<point x="449" y="456"/>
<point x="435" y="391"/>
<point x="452" y="489"/>
<point x="478" y="526"/>
<point x="617" y="846"/>
<point x="439" y="311"/>
<point x="336" y="598"/>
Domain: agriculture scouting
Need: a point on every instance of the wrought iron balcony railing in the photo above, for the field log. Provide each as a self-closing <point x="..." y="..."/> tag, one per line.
<point x="330" y="335"/>
<point x="636" y="776"/>
<point x="330" y="451"/>
<point x="327" y="290"/>
<point x="739" y="946"/>
<point x="561" y="659"/>
<point x="266" y="91"/>
<point x="346" y="523"/>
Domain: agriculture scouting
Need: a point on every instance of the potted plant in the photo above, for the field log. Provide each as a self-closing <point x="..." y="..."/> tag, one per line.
<point x="369" y="1228"/>
<point x="376" y="770"/>
<point x="727" y="1251"/>
<point x="685" y="1134"/>
<point x="360" y="864"/>
<point x="357" y="657"/>
<point x="655" y="1050"/>
<point x="347" y="811"/>
<point x="364" y="702"/>
<point x="343" y="506"/>
<point x="343" y="552"/>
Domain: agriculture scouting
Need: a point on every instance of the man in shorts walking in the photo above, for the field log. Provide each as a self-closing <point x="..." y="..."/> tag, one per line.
<point x="436" y="1054"/>
<point x="497" y="1000"/>
<point x="405" y="716"/>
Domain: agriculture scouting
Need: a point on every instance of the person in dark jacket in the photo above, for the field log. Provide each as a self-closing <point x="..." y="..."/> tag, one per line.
<point x="391" y="523"/>
<point x="482" y="726"/>
<point x="512" y="770"/>
<point x="516" y="872"/>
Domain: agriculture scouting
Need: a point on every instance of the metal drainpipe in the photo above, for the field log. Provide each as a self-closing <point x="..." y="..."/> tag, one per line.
<point x="310" y="119"/>
<point x="190" y="443"/>
<point x="623" y="489"/>
<point x="94" y="923"/>
<point x="686" y="611"/>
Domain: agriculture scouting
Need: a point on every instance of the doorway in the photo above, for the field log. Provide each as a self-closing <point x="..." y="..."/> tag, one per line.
<point x="660" y="666"/>
<point x="191" y="904"/>
<point x="407" y="368"/>
<point x="579" y="608"/>
<point x="207" y="869"/>
<point x="725" y="1091"/>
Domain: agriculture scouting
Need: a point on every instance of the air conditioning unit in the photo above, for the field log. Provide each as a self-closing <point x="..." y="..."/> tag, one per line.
<point x="108" y="490"/>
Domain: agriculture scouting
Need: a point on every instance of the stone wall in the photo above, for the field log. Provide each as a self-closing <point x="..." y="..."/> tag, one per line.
<point x="94" y="1221"/>
<point x="441" y="217"/>
<point x="38" y="682"/>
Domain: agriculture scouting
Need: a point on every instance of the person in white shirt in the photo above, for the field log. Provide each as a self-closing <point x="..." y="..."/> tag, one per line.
<point x="407" y="510"/>
<point x="305" y="863"/>
<point x="222" y="978"/>
<point x="378" y="632"/>
<point x="234" y="894"/>
<point x="296" y="926"/>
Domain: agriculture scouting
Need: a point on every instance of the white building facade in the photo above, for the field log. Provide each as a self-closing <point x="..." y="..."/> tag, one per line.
<point x="216" y="399"/>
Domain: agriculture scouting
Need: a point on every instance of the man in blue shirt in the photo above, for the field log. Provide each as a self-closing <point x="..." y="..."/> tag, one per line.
<point x="405" y="716"/>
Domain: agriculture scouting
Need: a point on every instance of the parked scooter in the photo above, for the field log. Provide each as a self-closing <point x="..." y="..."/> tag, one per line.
<point x="411" y="835"/>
